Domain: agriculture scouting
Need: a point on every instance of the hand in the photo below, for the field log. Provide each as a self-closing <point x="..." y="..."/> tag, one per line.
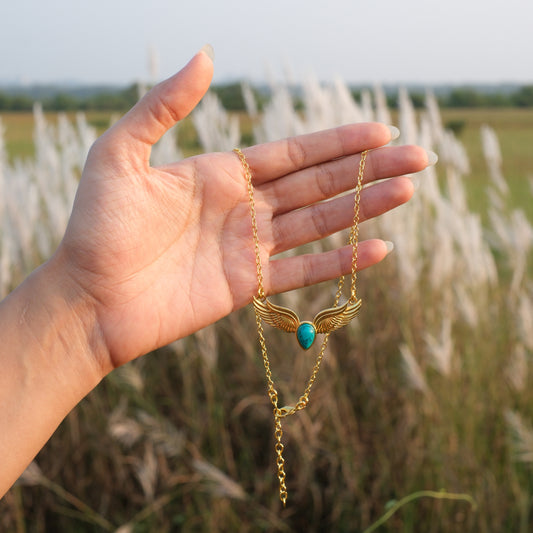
<point x="162" y="252"/>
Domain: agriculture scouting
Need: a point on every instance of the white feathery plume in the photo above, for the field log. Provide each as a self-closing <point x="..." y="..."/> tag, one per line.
<point x="434" y="119"/>
<point x="440" y="349"/>
<point x="407" y="118"/>
<point x="522" y="434"/>
<point x="32" y="476"/>
<point x="161" y="433"/>
<point x="142" y="89"/>
<point x="153" y="64"/>
<point x="517" y="368"/>
<point x="347" y="109"/>
<point x="456" y="190"/>
<point x="466" y="304"/>
<point x="510" y="232"/>
<point x="217" y="130"/>
<point x="220" y="484"/>
<point x="249" y="100"/>
<point x="497" y="201"/>
<point x="429" y="192"/>
<point x="525" y="319"/>
<point x="443" y="266"/>
<point x="513" y="235"/>
<point x="279" y="119"/>
<point x="132" y="376"/>
<point x="3" y="152"/>
<point x="425" y="132"/>
<point x="453" y="153"/>
<point x="125" y="430"/>
<point x="478" y="267"/>
<point x="5" y="262"/>
<point x="408" y="258"/>
<point x="3" y="169"/>
<point x="382" y="109"/>
<point x="164" y="435"/>
<point x="319" y="106"/>
<point x="59" y="155"/>
<point x="86" y="137"/>
<point x="24" y="211"/>
<point x="146" y="471"/>
<point x="367" y="111"/>
<point x="166" y="150"/>
<point x="413" y="372"/>
<point x="207" y="340"/>
<point x="125" y="528"/>
<point x="72" y="159"/>
<point x="493" y="157"/>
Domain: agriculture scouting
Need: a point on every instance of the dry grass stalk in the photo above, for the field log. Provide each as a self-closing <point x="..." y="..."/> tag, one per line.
<point x="522" y="435"/>
<point x="218" y="483"/>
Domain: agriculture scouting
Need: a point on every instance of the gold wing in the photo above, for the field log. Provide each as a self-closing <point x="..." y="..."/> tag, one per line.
<point x="277" y="316"/>
<point x="336" y="317"/>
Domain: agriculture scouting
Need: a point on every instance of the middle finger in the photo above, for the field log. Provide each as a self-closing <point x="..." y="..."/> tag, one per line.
<point x="329" y="179"/>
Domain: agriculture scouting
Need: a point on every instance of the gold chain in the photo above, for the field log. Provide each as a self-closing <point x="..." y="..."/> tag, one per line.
<point x="282" y="412"/>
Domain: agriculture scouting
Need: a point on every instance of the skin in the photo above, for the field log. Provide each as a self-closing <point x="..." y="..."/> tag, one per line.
<point x="151" y="255"/>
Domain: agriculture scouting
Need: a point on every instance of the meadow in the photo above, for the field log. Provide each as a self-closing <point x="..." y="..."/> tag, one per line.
<point x="429" y="391"/>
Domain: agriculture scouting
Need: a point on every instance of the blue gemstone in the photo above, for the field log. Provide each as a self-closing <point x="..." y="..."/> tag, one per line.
<point x="306" y="334"/>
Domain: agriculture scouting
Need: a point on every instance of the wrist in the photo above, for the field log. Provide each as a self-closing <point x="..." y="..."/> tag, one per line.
<point x="60" y="323"/>
<point x="50" y="358"/>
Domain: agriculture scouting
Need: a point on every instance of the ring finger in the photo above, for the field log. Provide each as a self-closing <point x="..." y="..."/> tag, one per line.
<point x="322" y="219"/>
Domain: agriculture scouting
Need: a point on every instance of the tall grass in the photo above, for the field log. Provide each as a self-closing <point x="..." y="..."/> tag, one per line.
<point x="429" y="390"/>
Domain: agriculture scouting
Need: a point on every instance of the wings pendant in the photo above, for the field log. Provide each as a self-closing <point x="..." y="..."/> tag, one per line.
<point x="286" y="319"/>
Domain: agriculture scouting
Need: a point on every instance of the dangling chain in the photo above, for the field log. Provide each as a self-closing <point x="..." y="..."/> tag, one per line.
<point x="331" y="319"/>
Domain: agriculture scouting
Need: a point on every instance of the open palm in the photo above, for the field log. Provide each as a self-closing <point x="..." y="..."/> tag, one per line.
<point x="163" y="252"/>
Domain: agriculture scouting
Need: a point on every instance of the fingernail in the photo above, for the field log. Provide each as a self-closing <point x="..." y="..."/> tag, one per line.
<point x="415" y="181"/>
<point x="432" y="157"/>
<point x="394" y="132"/>
<point x="390" y="246"/>
<point x="208" y="51"/>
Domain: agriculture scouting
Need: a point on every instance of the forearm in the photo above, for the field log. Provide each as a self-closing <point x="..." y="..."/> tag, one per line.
<point x="49" y="360"/>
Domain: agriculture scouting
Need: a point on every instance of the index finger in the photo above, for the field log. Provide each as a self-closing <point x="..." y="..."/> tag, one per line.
<point x="273" y="160"/>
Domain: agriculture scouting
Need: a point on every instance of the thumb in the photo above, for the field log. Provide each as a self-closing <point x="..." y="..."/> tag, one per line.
<point x="167" y="103"/>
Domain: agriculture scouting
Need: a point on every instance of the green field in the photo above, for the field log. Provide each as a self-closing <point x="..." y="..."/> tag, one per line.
<point x="514" y="128"/>
<point x="18" y="130"/>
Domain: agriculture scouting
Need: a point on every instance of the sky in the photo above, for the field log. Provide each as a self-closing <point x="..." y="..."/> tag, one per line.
<point x="372" y="41"/>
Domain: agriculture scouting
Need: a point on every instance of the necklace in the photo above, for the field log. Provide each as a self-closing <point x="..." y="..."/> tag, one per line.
<point x="286" y="319"/>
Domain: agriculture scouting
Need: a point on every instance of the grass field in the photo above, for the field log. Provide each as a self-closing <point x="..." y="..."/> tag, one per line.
<point x="432" y="389"/>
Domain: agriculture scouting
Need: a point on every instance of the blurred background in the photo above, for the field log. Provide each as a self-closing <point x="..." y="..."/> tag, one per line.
<point x="411" y="41"/>
<point x="430" y="390"/>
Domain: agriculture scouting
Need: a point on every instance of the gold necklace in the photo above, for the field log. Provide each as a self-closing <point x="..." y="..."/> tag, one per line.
<point x="286" y="319"/>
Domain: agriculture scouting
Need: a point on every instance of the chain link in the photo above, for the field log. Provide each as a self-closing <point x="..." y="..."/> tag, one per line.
<point x="280" y="413"/>
<point x="354" y="232"/>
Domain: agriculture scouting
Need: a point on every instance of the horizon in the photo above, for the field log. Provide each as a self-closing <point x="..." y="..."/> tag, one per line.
<point x="73" y="84"/>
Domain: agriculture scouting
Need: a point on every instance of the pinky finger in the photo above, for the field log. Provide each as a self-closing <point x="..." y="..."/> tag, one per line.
<point x="301" y="271"/>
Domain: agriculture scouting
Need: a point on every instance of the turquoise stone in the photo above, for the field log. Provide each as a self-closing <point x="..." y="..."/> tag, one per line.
<point x="306" y="334"/>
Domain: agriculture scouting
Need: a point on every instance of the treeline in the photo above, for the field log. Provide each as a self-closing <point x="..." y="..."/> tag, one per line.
<point x="110" y="100"/>
<point x="105" y="100"/>
<point x="468" y="97"/>
<point x="232" y="98"/>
